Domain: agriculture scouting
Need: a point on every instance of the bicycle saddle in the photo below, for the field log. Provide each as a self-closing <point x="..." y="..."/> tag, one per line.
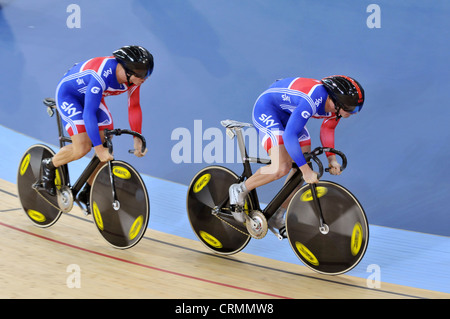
<point x="233" y="124"/>
<point x="50" y="102"/>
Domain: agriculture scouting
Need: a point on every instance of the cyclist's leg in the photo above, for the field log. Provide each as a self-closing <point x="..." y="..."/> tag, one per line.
<point x="83" y="195"/>
<point x="105" y="121"/>
<point x="81" y="143"/>
<point x="277" y="221"/>
<point x="80" y="146"/>
<point x="75" y="126"/>
<point x="270" y="122"/>
<point x="281" y="164"/>
<point x="305" y="144"/>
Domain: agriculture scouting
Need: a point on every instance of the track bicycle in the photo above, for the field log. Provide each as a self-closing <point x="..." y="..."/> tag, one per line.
<point x="326" y="226"/>
<point x="118" y="197"/>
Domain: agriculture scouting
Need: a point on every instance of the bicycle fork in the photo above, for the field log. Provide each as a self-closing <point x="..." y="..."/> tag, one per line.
<point x="116" y="203"/>
<point x="323" y="227"/>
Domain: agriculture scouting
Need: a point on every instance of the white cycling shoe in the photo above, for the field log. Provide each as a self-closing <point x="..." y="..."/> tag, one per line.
<point x="237" y="193"/>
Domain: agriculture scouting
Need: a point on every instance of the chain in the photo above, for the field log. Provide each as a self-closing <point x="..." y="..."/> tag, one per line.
<point x="42" y="196"/>
<point x="232" y="226"/>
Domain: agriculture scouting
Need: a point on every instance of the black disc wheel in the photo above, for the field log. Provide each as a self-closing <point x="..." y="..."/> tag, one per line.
<point x="40" y="207"/>
<point x="122" y="222"/>
<point x="338" y="246"/>
<point x="216" y="228"/>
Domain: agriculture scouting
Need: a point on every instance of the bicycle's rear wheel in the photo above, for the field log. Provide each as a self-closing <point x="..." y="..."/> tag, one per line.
<point x="208" y="189"/>
<point x="345" y="244"/>
<point x="40" y="207"/>
<point x="122" y="228"/>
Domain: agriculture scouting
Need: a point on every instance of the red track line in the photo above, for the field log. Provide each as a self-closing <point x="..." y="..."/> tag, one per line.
<point x="143" y="265"/>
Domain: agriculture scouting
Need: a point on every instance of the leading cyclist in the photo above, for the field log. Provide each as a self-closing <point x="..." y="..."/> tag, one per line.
<point x="280" y="115"/>
<point x="80" y="100"/>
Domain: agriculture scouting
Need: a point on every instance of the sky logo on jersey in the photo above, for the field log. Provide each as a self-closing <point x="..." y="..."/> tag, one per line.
<point x="69" y="109"/>
<point x="268" y="120"/>
<point x="286" y="98"/>
<point x="107" y="73"/>
<point x="318" y="101"/>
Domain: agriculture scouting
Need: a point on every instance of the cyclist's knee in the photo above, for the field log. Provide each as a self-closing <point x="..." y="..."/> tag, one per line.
<point x="283" y="169"/>
<point x="81" y="149"/>
<point x="277" y="170"/>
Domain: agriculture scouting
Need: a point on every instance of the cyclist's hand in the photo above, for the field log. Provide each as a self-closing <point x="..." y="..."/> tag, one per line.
<point x="309" y="175"/>
<point x="138" y="148"/>
<point x="103" y="153"/>
<point x="335" y="167"/>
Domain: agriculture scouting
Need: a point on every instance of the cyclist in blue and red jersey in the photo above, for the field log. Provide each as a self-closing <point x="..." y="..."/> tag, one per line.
<point x="80" y="98"/>
<point x="280" y="115"/>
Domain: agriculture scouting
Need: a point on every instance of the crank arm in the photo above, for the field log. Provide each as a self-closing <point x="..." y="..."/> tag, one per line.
<point x="276" y="233"/>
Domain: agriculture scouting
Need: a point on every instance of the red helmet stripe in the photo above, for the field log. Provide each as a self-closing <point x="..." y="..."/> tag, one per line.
<point x="356" y="86"/>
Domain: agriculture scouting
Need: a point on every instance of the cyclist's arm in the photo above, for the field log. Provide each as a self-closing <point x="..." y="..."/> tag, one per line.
<point x="134" y="109"/>
<point x="294" y="127"/>
<point x="327" y="138"/>
<point x="327" y="133"/>
<point x="92" y="100"/>
<point x="135" y="118"/>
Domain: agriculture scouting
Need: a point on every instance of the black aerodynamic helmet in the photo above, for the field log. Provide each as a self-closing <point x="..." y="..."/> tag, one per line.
<point x="345" y="92"/>
<point x="136" y="60"/>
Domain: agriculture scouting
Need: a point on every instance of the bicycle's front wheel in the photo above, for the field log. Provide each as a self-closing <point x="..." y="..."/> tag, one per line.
<point x="216" y="229"/>
<point x="342" y="244"/>
<point x="124" y="222"/>
<point x="41" y="208"/>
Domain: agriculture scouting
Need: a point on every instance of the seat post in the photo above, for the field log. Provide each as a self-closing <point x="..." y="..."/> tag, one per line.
<point x="241" y="143"/>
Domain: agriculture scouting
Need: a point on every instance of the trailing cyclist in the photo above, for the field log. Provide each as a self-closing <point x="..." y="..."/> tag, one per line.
<point x="80" y="100"/>
<point x="280" y="115"/>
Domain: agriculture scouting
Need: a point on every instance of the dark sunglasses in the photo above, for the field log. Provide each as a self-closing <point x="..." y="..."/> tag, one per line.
<point x="142" y="74"/>
<point x="348" y="109"/>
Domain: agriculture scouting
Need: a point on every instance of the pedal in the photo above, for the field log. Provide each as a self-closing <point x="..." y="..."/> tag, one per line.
<point x="238" y="213"/>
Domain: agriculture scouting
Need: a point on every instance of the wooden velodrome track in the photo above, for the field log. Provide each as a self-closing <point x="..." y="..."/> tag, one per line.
<point x="34" y="264"/>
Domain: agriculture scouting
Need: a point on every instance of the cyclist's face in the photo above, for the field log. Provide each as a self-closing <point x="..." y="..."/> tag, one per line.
<point x="136" y="80"/>
<point x="330" y="107"/>
<point x="345" y="114"/>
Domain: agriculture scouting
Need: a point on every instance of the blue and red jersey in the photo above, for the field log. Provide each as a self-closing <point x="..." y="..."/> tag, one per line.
<point x="282" y="111"/>
<point x="80" y="98"/>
